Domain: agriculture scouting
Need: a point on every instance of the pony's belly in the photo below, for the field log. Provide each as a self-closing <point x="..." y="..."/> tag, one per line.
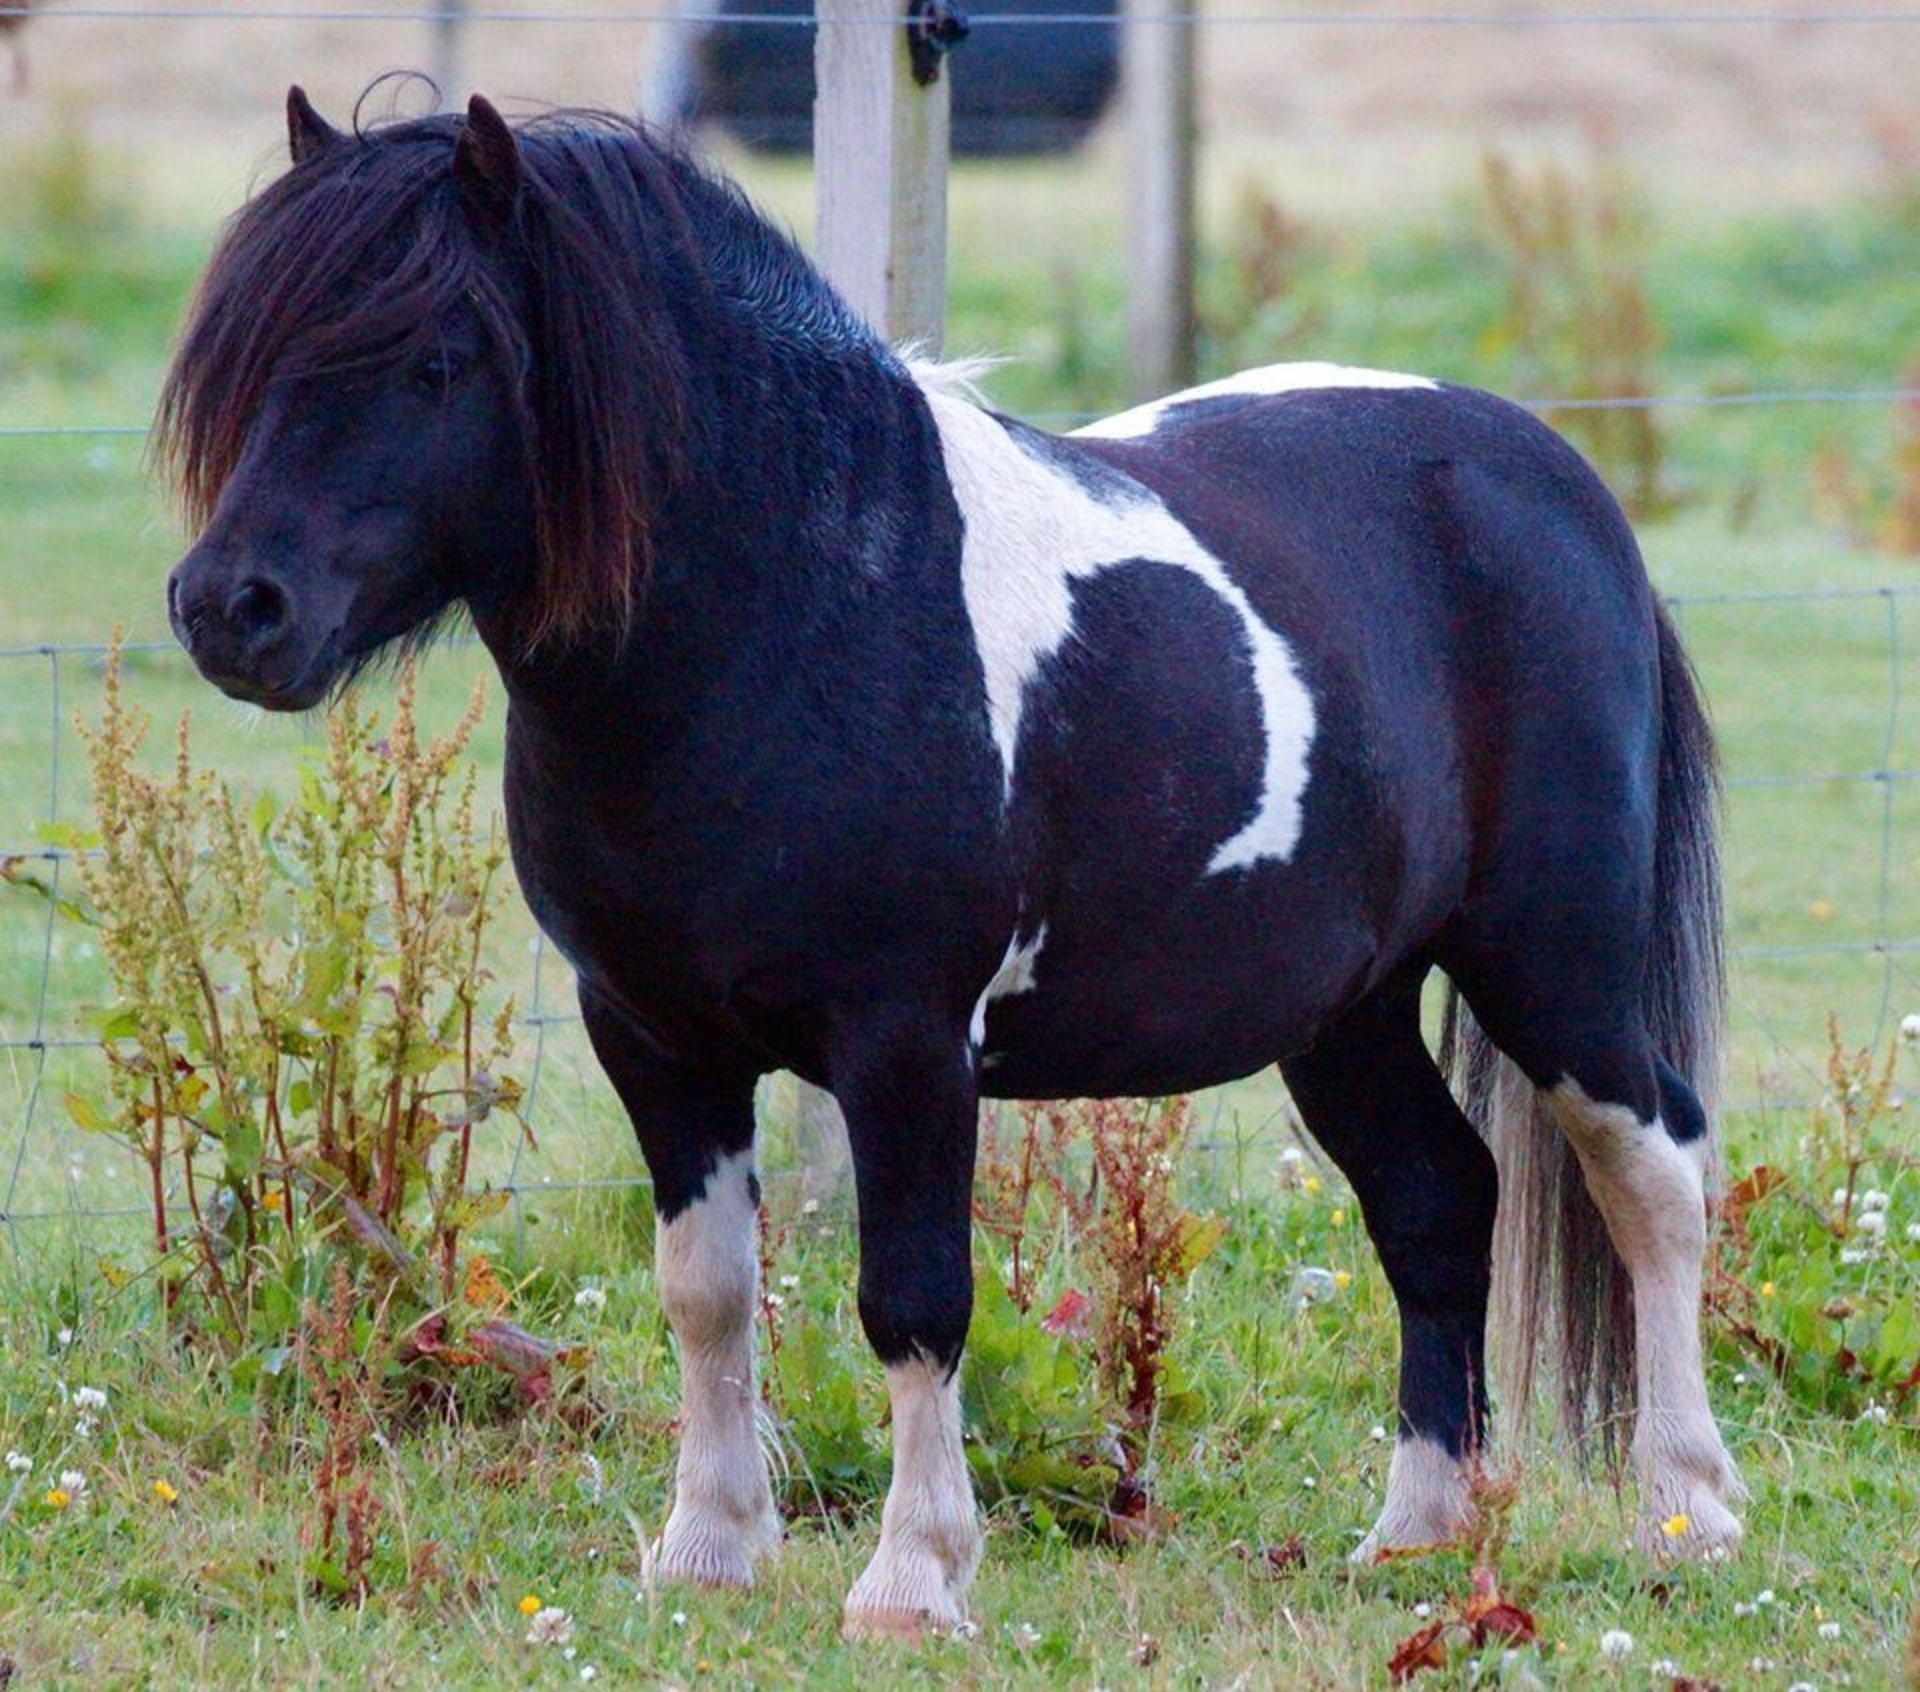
<point x="1152" y="1013"/>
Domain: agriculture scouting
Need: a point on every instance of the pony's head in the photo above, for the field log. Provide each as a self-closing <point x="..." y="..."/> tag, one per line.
<point x="432" y="364"/>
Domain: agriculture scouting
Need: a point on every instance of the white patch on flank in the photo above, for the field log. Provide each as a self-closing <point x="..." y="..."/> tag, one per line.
<point x="1428" y="1501"/>
<point x="1031" y="531"/>
<point x="1652" y="1193"/>
<point x="1015" y="975"/>
<point x="1269" y="379"/>
<point x="929" y="1529"/>
<point x="709" y="1269"/>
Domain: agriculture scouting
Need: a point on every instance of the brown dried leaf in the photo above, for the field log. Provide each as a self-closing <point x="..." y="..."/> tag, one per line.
<point x="1422" y="1650"/>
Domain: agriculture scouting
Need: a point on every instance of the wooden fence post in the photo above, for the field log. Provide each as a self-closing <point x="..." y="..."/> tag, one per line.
<point x="449" y="25"/>
<point x="880" y="234"/>
<point x="1157" y="67"/>
<point x="880" y="172"/>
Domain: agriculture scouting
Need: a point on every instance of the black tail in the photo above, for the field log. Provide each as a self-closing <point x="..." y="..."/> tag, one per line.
<point x="1555" y="1270"/>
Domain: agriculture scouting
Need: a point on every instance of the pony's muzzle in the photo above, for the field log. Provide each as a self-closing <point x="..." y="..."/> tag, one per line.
<point x="238" y="633"/>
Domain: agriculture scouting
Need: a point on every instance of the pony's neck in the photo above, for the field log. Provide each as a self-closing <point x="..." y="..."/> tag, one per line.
<point x="812" y="464"/>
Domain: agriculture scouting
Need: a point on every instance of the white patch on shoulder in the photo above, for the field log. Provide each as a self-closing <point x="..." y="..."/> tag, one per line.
<point x="1031" y="531"/>
<point x="1248" y="384"/>
<point x="1015" y="975"/>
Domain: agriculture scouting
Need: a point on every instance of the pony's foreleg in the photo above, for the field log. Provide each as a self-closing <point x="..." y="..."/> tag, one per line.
<point x="1372" y="1097"/>
<point x="697" y="1134"/>
<point x="911" y="1104"/>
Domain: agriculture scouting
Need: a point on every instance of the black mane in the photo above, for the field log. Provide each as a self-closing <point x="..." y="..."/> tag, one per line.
<point x="631" y="276"/>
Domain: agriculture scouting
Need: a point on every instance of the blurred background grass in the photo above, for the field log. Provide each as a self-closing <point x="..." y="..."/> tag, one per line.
<point x="1726" y="212"/>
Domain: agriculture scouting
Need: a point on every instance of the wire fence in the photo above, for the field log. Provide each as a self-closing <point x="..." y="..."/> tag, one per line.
<point x="51" y="1033"/>
<point x="1487" y="18"/>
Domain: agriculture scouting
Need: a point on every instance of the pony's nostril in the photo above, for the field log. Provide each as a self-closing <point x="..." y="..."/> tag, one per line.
<point x="257" y="611"/>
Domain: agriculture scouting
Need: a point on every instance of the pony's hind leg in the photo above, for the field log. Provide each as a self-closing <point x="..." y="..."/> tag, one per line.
<point x="1640" y="1135"/>
<point x="696" y="1132"/>
<point x="1641" y="1139"/>
<point x="1371" y="1095"/>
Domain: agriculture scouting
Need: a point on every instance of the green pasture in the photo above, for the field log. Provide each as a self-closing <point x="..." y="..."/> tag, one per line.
<point x="1810" y="694"/>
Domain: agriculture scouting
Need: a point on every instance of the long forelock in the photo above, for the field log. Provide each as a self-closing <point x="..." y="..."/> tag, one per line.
<point x="347" y="261"/>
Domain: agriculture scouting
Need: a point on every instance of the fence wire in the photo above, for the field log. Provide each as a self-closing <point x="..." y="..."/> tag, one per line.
<point x="47" y="1033"/>
<point x="1764" y="17"/>
<point x="1897" y="954"/>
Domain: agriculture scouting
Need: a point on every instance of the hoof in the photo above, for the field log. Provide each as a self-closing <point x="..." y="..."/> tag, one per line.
<point x="1684" y="1505"/>
<point x="1698" y="1528"/>
<point x="1429" y="1504"/>
<point x="912" y="1627"/>
<point x="713" y="1552"/>
<point x="907" y="1598"/>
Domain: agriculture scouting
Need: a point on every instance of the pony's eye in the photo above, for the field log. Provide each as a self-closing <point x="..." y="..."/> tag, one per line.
<point x="438" y="370"/>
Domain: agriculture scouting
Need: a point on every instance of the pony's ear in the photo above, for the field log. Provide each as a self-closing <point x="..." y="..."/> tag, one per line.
<point x="308" y="132"/>
<point x="486" y="165"/>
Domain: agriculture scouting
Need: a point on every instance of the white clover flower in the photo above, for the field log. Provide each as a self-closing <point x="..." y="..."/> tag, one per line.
<point x="1829" y="1630"/>
<point x="83" y="1426"/>
<point x="63" y="1338"/>
<point x="1376" y="1432"/>
<point x="1762" y="1665"/>
<point x="1910" y="1028"/>
<point x="789" y="1283"/>
<point x="1876" y="1415"/>
<point x="1873" y="1199"/>
<point x="590" y="1299"/>
<point x="1839" y="1198"/>
<point x="678" y="1618"/>
<point x="1913" y="1232"/>
<point x="1872" y="1222"/>
<point x="89" y="1398"/>
<point x="19" y="1463"/>
<point x="810" y="1208"/>
<point x="550" y="1626"/>
<point x="1423" y="1609"/>
<point x="589" y="1672"/>
<point x="1852" y="1257"/>
<point x="1616" y="1645"/>
<point x="1742" y="1609"/>
<point x="1292" y="1156"/>
<point x="1763" y="1597"/>
<point x="1026" y="1636"/>
<point x="74" y="1484"/>
<point x="775" y="1301"/>
<point x="1663" y="1668"/>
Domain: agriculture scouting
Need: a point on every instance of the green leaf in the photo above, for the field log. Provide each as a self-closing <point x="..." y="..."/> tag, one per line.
<point x="1195" y="1239"/>
<point x="244" y="1150"/>
<point x="88" y="1115"/>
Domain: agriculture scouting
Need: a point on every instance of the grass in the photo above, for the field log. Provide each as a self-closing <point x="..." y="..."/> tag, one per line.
<point x="128" y="1590"/>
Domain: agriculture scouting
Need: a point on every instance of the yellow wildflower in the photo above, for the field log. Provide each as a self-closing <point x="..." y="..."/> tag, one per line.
<point x="1342" y="1279"/>
<point x="1311" y="1183"/>
<point x="530" y="1605"/>
<point x="165" y="1491"/>
<point x="59" y="1498"/>
<point x="1675" y="1525"/>
<point x="1339" y="1215"/>
<point x="1766" y="1289"/>
<point x="274" y="1200"/>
